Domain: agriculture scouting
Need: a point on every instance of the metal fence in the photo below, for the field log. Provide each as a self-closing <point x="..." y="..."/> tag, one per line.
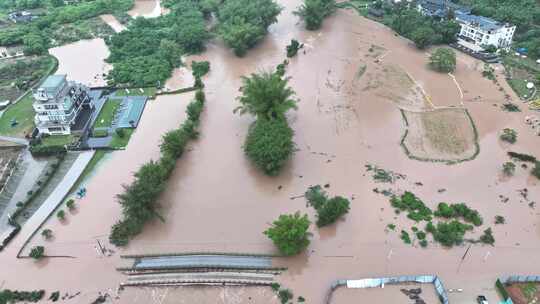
<point x="380" y="282"/>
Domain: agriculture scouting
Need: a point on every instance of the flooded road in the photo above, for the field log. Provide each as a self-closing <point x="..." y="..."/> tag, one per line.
<point x="88" y="68"/>
<point x="216" y="200"/>
<point x="113" y="22"/>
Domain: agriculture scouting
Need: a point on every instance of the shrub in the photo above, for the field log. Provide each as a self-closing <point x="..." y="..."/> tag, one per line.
<point x="509" y="168"/>
<point x="536" y="170"/>
<point x="46" y="233"/>
<point x="199" y="69"/>
<point x="423" y="243"/>
<point x="292" y="49"/>
<point x="61" y="215"/>
<point x="391" y="227"/>
<point x="70" y="204"/>
<point x="416" y="209"/>
<point x="511" y="107"/>
<point x="275" y="286"/>
<point x="194" y="110"/>
<point x="316" y="196"/>
<point x="499" y="219"/>
<point x="37" y="252"/>
<point x="487" y="237"/>
<point x="405" y="237"/>
<point x="448" y="234"/>
<point x="120" y="132"/>
<point x="290" y="233"/>
<point x="269" y="144"/>
<point x="313" y="12"/>
<point x="174" y="142"/>
<point x="285" y="295"/>
<point x="509" y="135"/>
<point x="522" y="157"/>
<point x="443" y="60"/>
<point x="13" y="296"/>
<point x="333" y="209"/>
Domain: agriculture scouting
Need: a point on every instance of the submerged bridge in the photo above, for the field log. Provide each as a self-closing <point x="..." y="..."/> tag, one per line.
<point x="199" y="269"/>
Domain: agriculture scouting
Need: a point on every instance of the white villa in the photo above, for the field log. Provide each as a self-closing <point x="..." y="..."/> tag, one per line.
<point x="57" y="103"/>
<point x="482" y="31"/>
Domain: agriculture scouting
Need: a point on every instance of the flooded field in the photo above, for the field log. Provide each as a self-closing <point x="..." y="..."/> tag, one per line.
<point x="389" y="294"/>
<point x="88" y="68"/>
<point x="216" y="200"/>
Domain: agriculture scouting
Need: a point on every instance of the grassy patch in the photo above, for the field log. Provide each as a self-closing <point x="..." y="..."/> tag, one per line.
<point x="106" y="115"/>
<point x="150" y="92"/>
<point x="520" y="87"/>
<point x="23" y="113"/>
<point x="57" y="140"/>
<point x="121" y="142"/>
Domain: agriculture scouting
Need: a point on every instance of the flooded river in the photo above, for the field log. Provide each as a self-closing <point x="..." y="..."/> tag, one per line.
<point x="216" y="200"/>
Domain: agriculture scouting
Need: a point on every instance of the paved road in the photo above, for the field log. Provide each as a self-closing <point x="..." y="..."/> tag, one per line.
<point x="56" y="197"/>
<point x="229" y="261"/>
<point x="20" y="141"/>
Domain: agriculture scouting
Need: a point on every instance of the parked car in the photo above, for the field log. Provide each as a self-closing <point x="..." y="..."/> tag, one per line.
<point x="481" y="300"/>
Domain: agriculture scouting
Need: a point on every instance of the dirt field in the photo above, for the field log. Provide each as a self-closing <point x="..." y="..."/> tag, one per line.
<point x="442" y="134"/>
<point x="388" y="294"/>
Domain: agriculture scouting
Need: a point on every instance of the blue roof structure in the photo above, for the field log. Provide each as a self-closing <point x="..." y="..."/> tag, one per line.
<point x="484" y="23"/>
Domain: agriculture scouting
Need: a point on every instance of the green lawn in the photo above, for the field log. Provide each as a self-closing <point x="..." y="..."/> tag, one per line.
<point x="520" y="87"/>
<point x="107" y="113"/>
<point x="150" y="92"/>
<point x="121" y="142"/>
<point x="23" y="113"/>
<point x="57" y="140"/>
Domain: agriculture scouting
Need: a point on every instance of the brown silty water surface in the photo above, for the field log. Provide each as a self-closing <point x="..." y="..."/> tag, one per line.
<point x="147" y="9"/>
<point x="216" y="200"/>
<point x="83" y="61"/>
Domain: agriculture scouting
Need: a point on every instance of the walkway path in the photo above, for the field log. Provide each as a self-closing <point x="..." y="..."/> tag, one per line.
<point x="55" y="198"/>
<point x="17" y="140"/>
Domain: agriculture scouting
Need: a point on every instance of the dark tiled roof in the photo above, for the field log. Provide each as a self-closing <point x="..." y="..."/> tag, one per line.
<point x="486" y="24"/>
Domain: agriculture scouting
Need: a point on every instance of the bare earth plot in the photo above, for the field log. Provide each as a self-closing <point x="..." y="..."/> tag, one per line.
<point x="440" y="135"/>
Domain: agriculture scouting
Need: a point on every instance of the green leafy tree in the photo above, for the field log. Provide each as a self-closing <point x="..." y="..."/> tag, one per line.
<point x="37" y="252"/>
<point x="509" y="168"/>
<point x="290" y="233"/>
<point x="266" y="95"/>
<point x="423" y="37"/>
<point x="509" y="135"/>
<point x="70" y="204"/>
<point x="313" y="12"/>
<point x="333" y="209"/>
<point x="269" y="144"/>
<point x="200" y="68"/>
<point x="61" y="215"/>
<point x="35" y="44"/>
<point x="46" y="233"/>
<point x="243" y="23"/>
<point x="443" y="60"/>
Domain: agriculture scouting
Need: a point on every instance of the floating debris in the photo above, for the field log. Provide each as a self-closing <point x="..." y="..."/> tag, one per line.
<point x="384" y="176"/>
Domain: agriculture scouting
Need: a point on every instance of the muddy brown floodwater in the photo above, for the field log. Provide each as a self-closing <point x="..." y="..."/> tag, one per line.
<point x="147" y="9"/>
<point x="216" y="200"/>
<point x="83" y="61"/>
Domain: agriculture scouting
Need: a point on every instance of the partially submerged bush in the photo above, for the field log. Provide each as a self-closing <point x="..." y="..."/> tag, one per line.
<point x="499" y="219"/>
<point x="457" y="211"/>
<point x="70" y="204"/>
<point x="509" y="135"/>
<point x="200" y="68"/>
<point x="61" y="215"/>
<point x="487" y="237"/>
<point x="313" y="12"/>
<point x="443" y="60"/>
<point x="290" y="233"/>
<point x="448" y="233"/>
<point x="405" y="237"/>
<point x="13" y="296"/>
<point x="416" y="209"/>
<point x="509" y="168"/>
<point x="46" y="233"/>
<point x="522" y="157"/>
<point x="292" y="49"/>
<point x="37" y="252"/>
<point x="536" y="170"/>
<point x="269" y="144"/>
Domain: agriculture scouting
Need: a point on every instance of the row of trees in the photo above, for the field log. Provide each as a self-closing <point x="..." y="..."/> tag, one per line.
<point x="138" y="200"/>
<point x="243" y="23"/>
<point x="269" y="142"/>
<point x="146" y="53"/>
<point x="422" y="30"/>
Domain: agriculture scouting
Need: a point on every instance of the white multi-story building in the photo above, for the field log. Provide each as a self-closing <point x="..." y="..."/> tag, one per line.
<point x="57" y="103"/>
<point x="482" y="31"/>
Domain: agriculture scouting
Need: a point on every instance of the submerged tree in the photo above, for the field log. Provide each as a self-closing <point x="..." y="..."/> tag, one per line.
<point x="313" y="12"/>
<point x="266" y="95"/>
<point x="443" y="60"/>
<point x="37" y="252"/>
<point x="269" y="144"/>
<point x="290" y="233"/>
